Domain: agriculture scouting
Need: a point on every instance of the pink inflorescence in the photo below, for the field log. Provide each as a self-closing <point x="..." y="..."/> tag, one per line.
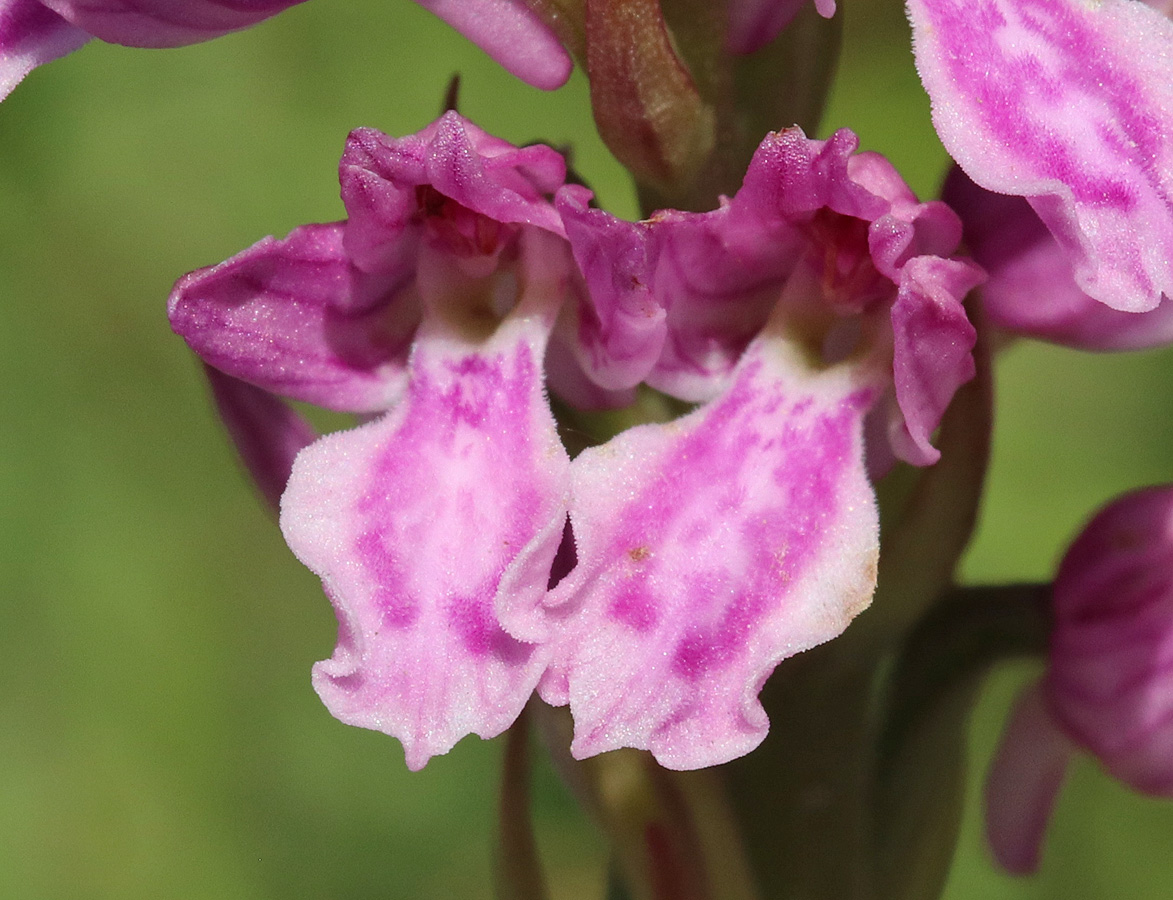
<point x="467" y="282"/>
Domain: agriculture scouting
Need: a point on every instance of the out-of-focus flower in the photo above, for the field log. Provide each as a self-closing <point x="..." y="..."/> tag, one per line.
<point x="1031" y="287"/>
<point x="1108" y="688"/>
<point x="33" y="32"/>
<point x="1068" y="104"/>
<point x="708" y="549"/>
<point x="754" y="23"/>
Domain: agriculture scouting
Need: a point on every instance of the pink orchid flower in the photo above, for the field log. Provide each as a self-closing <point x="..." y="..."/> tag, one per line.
<point x="1069" y="105"/>
<point x="1108" y="688"/>
<point x="467" y="279"/>
<point x="34" y="32"/>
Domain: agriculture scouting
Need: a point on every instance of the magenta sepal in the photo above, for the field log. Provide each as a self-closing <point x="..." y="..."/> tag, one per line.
<point x="1031" y="288"/>
<point x="1023" y="783"/>
<point x="164" y="23"/>
<point x="1108" y="688"/>
<point x="932" y="354"/>
<point x="1110" y="681"/>
<point x="279" y="315"/>
<point x="414" y="520"/>
<point x="709" y="549"/>
<point x="512" y="34"/>
<point x="267" y="433"/>
<point x="1070" y="105"/>
<point x="31" y="35"/>
<point x="616" y="332"/>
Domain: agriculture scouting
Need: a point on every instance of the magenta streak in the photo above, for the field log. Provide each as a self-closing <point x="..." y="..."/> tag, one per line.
<point x="808" y="458"/>
<point x="995" y="94"/>
<point x="483" y="401"/>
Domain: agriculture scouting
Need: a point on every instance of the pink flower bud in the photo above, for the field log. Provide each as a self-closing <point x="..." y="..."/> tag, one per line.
<point x="1109" y="685"/>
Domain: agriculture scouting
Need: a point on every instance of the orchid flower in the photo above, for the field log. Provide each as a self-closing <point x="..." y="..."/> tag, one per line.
<point x="713" y="547"/>
<point x="1108" y="688"/>
<point x="34" y="32"/>
<point x="709" y="548"/>
<point x="1068" y="104"/>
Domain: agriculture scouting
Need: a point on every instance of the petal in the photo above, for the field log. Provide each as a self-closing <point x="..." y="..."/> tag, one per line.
<point x="1069" y="104"/>
<point x="414" y="520"/>
<point x="792" y="176"/>
<point x="512" y="34"/>
<point x="932" y="357"/>
<point x="1110" y="683"/>
<point x="30" y="36"/>
<point x="718" y="280"/>
<point x="617" y="330"/>
<point x="381" y="175"/>
<point x="267" y="433"/>
<point x="1023" y="783"/>
<point x="276" y="316"/>
<point x="165" y="23"/>
<point x="1031" y="288"/>
<point x="754" y="23"/>
<point x="709" y="549"/>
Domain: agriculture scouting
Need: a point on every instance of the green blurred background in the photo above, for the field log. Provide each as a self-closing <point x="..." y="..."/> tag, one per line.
<point x="160" y="737"/>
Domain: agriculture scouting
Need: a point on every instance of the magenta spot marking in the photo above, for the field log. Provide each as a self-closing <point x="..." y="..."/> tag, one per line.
<point x="472" y="619"/>
<point x="635" y="607"/>
<point x="396" y="608"/>
<point x="809" y="460"/>
<point x="458" y="412"/>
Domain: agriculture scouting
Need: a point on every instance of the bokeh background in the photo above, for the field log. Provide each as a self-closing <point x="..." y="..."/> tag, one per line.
<point x="158" y="733"/>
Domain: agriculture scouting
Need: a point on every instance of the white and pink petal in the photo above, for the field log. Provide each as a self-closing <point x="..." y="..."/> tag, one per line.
<point x="708" y="550"/>
<point x="413" y="521"/>
<point x="1069" y="104"/>
<point x="1031" y="287"/>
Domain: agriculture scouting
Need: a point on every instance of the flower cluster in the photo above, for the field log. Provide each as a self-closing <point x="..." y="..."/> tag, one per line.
<point x="704" y="550"/>
<point x="781" y="352"/>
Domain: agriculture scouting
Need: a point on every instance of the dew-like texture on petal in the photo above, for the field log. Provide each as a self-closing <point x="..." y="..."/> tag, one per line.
<point x="412" y="522"/>
<point x="1031" y="288"/>
<point x="281" y="315"/>
<point x="709" y="549"/>
<point x="1023" y="783"/>
<point x="933" y="344"/>
<point x="267" y="432"/>
<point x="512" y="34"/>
<point x="469" y="184"/>
<point x="1110" y="682"/>
<point x="754" y="23"/>
<point x="31" y="35"/>
<point x="1068" y="103"/>
<point x="164" y="23"/>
